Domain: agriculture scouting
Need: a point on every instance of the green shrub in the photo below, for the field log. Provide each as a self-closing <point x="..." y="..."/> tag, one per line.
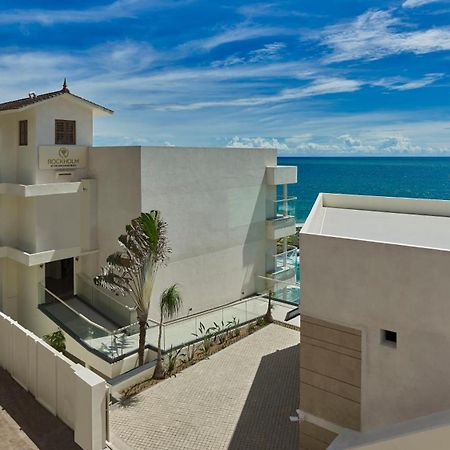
<point x="57" y="340"/>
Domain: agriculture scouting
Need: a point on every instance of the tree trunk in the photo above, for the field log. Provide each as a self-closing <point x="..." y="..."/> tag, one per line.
<point x="158" y="373"/>
<point x="142" y="332"/>
<point x="268" y="317"/>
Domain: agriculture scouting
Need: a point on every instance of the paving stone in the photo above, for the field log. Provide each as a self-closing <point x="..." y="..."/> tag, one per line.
<point x="238" y="399"/>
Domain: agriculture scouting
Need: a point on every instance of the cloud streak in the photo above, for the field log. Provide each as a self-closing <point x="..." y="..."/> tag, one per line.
<point x="417" y="3"/>
<point x="377" y="34"/>
<point x="118" y="9"/>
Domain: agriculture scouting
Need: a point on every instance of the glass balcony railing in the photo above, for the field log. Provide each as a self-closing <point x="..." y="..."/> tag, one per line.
<point x="286" y="260"/>
<point x="112" y="307"/>
<point x="284" y="207"/>
<point x="89" y="328"/>
<point x="98" y="335"/>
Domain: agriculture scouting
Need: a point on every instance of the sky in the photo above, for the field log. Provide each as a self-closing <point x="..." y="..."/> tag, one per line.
<point x="310" y="78"/>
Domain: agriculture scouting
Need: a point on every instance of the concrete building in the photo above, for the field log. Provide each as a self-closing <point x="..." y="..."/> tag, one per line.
<point x="63" y="203"/>
<point x="375" y="319"/>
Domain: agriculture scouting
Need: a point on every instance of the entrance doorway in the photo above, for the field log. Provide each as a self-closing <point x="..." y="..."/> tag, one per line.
<point x="59" y="278"/>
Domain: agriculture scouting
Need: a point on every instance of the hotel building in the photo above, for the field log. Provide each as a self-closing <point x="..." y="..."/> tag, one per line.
<point x="375" y="323"/>
<point x="64" y="202"/>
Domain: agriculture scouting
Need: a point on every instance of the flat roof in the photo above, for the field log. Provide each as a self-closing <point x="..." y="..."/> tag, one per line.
<point x="411" y="222"/>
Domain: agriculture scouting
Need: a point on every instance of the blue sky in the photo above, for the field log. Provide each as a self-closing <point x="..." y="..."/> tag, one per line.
<point x="308" y="77"/>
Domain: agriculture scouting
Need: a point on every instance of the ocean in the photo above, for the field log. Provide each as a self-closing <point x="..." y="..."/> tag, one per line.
<point x="420" y="177"/>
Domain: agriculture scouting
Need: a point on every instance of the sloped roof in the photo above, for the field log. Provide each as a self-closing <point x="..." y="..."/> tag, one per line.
<point x="33" y="99"/>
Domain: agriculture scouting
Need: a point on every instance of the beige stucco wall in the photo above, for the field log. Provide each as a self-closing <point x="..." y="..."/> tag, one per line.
<point x="61" y="108"/>
<point x="214" y="201"/>
<point x="373" y="286"/>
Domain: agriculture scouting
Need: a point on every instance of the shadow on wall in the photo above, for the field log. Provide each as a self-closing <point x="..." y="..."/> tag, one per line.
<point x="45" y="430"/>
<point x="274" y="396"/>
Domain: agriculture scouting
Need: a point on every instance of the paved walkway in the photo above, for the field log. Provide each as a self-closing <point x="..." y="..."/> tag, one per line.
<point x="238" y="399"/>
<point x="25" y="424"/>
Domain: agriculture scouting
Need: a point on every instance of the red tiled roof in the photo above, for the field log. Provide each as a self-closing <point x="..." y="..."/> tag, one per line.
<point x="32" y="99"/>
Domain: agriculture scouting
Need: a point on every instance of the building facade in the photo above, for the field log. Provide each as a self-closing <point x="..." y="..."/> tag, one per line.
<point x="64" y="202"/>
<point x="375" y="311"/>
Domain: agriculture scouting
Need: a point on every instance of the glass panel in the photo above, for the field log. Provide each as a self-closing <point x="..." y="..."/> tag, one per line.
<point x="109" y="305"/>
<point x="285" y="207"/>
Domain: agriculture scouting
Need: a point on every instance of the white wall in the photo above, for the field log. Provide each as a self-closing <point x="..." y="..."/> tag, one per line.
<point x="69" y="391"/>
<point x="374" y="286"/>
<point x="61" y="107"/>
<point x="214" y="201"/>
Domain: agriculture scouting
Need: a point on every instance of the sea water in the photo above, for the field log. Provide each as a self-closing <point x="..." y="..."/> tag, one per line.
<point x="419" y="177"/>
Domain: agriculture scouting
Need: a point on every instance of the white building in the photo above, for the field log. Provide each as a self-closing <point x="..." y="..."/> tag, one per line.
<point x="63" y="203"/>
<point x="375" y="320"/>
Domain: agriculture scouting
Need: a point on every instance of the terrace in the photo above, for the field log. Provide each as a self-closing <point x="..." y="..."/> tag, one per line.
<point x="103" y="330"/>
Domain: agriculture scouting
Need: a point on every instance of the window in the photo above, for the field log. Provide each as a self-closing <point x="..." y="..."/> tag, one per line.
<point x="23" y="132"/>
<point x="65" y="132"/>
<point x="389" y="338"/>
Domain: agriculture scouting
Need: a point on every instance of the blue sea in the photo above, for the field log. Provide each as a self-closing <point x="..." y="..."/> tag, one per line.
<point x="420" y="177"/>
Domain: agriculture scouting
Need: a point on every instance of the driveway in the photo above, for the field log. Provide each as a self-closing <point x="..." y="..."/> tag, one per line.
<point x="238" y="399"/>
<point x="25" y="424"/>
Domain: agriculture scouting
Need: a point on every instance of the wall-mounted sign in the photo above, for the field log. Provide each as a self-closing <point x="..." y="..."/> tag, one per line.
<point x="62" y="157"/>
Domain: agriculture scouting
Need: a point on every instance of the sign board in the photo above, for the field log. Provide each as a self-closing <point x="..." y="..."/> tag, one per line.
<point x="62" y="157"/>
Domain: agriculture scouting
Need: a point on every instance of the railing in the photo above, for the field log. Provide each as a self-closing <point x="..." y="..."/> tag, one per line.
<point x="284" y="207"/>
<point x="182" y="331"/>
<point x="113" y="344"/>
<point x="283" y="291"/>
<point x="109" y="343"/>
<point x="109" y="305"/>
<point x="286" y="260"/>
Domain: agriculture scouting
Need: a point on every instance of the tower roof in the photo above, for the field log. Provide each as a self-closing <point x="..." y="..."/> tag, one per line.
<point x="33" y="99"/>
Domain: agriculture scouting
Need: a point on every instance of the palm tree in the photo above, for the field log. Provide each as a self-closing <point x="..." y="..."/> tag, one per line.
<point x="169" y="304"/>
<point x="268" y="317"/>
<point x="132" y="270"/>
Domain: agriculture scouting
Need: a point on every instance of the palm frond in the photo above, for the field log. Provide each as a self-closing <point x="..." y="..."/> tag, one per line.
<point x="170" y="302"/>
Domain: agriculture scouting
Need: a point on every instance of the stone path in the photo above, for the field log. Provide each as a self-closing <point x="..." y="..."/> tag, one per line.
<point x="239" y="399"/>
<point x="25" y="424"/>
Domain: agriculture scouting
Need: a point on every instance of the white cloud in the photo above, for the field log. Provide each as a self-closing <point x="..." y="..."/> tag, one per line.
<point x="116" y="10"/>
<point x="257" y="142"/>
<point x="343" y="145"/>
<point x="399" y="84"/>
<point x="240" y="32"/>
<point x="268" y="52"/>
<point x="377" y="34"/>
<point x="321" y="86"/>
<point x="417" y="3"/>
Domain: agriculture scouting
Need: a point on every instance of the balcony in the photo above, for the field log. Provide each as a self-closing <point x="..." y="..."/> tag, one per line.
<point x="281" y="222"/>
<point x="284" y="265"/>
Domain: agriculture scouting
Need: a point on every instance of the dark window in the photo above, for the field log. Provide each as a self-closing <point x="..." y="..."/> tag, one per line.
<point x="65" y="132"/>
<point x="389" y="337"/>
<point x="23" y="132"/>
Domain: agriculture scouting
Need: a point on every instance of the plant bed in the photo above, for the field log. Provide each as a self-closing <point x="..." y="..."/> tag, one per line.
<point x="190" y="355"/>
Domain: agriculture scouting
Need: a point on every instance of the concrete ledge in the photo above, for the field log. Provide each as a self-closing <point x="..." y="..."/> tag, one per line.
<point x="38" y="190"/>
<point x="34" y="259"/>
<point x="276" y="175"/>
<point x="280" y="228"/>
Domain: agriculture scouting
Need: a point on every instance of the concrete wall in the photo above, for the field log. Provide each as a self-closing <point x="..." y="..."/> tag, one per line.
<point x="374" y="286"/>
<point x="69" y="391"/>
<point x="429" y="432"/>
<point x="214" y="201"/>
<point x="65" y="108"/>
<point x="330" y="378"/>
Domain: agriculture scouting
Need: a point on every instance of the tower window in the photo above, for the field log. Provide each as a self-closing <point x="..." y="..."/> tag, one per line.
<point x="65" y="132"/>
<point x="23" y="132"/>
<point x="389" y="337"/>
